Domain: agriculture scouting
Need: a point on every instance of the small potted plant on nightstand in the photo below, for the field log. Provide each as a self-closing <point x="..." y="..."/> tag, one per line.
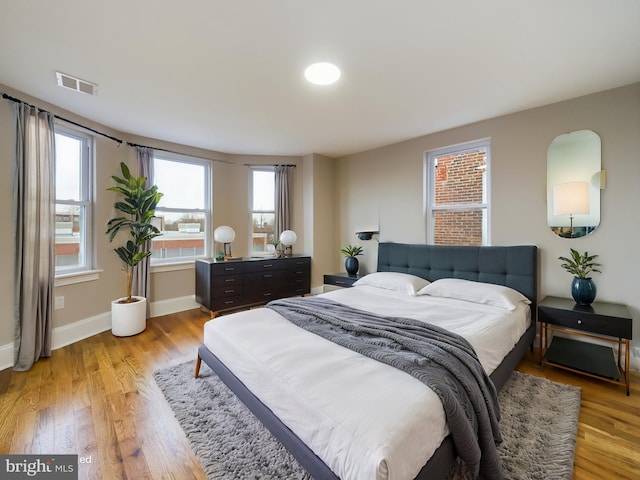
<point x="583" y="290"/>
<point x="351" y="263"/>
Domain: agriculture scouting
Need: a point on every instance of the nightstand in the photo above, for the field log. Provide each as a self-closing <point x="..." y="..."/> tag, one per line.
<point x="341" y="279"/>
<point x="605" y="322"/>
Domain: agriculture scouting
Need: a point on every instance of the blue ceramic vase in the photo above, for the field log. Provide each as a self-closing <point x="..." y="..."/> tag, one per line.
<point x="583" y="290"/>
<point x="351" y="265"/>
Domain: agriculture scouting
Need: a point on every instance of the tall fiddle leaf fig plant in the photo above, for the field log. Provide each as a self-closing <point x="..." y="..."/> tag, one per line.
<point x="138" y="207"/>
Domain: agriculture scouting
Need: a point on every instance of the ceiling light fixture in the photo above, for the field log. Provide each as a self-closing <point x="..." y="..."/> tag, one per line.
<point x="322" y="73"/>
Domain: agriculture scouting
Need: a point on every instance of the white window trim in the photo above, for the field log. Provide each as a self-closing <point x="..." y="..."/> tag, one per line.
<point x="85" y="271"/>
<point x="429" y="186"/>
<point x="174" y="264"/>
<point x="265" y="168"/>
<point x="77" y="277"/>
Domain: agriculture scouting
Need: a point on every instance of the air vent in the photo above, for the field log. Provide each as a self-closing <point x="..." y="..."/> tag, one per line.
<point x="73" y="83"/>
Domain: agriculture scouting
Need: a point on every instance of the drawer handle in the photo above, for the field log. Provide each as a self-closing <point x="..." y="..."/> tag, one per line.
<point x="268" y="275"/>
<point x="267" y="266"/>
<point x="579" y="322"/>
<point x="229" y="302"/>
<point x="266" y="294"/>
<point x="229" y="291"/>
<point x="229" y="269"/>
<point x="340" y="282"/>
<point x="299" y="272"/>
<point x="229" y="280"/>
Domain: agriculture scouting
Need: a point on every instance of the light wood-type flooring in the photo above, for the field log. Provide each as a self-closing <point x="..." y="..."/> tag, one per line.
<point x="97" y="398"/>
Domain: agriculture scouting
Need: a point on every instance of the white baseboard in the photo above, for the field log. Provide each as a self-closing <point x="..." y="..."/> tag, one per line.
<point x="85" y="328"/>
<point x="173" y="305"/>
<point x="76" y="331"/>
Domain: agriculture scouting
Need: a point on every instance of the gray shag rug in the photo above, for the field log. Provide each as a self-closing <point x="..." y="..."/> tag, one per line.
<point x="539" y="426"/>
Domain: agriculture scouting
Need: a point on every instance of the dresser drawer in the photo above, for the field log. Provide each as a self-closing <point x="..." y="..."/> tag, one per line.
<point x="226" y="291"/>
<point x="226" y="268"/>
<point x="585" y="321"/>
<point x="263" y="295"/>
<point x="222" y="281"/>
<point x="296" y="262"/>
<point x="223" y="303"/>
<point x="258" y="266"/>
<point x="300" y="288"/>
<point x="265" y="279"/>
<point x="300" y="271"/>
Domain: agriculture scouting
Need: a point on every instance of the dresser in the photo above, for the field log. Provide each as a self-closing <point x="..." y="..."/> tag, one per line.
<point x="224" y="285"/>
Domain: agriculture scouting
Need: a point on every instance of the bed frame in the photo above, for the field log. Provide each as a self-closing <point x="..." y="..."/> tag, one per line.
<point x="512" y="266"/>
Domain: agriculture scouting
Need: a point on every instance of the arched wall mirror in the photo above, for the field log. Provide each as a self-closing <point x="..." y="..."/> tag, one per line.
<point x="573" y="184"/>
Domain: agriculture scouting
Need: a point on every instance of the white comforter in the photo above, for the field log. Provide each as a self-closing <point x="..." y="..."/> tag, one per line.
<point x="364" y="419"/>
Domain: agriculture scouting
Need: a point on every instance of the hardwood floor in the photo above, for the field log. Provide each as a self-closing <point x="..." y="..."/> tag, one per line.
<point x="97" y="398"/>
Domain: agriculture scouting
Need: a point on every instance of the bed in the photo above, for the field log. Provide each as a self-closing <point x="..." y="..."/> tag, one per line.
<point x="298" y="412"/>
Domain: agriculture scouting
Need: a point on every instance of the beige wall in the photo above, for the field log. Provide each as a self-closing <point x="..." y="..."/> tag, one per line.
<point x="386" y="185"/>
<point x="320" y="229"/>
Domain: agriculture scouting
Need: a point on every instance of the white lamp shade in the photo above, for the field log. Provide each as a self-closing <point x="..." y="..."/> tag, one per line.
<point x="224" y="234"/>
<point x="571" y="198"/>
<point x="288" y="237"/>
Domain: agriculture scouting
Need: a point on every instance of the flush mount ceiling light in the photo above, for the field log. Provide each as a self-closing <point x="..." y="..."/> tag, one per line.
<point x="322" y="73"/>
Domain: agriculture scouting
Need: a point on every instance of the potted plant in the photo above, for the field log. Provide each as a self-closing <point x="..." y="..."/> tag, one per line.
<point x="583" y="290"/>
<point x="129" y="314"/>
<point x="351" y="263"/>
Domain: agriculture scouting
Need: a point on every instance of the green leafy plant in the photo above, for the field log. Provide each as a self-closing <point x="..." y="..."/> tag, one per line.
<point x="352" y="250"/>
<point x="580" y="265"/>
<point x="138" y="206"/>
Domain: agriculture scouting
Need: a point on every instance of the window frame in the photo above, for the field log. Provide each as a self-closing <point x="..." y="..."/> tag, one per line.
<point x="87" y="246"/>
<point x="252" y="170"/>
<point x="207" y="211"/>
<point x="430" y="183"/>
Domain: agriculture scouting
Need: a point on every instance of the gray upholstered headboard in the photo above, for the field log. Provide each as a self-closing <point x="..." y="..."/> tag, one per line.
<point x="513" y="266"/>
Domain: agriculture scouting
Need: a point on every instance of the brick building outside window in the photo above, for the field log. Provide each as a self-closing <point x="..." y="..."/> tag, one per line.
<point x="457" y="187"/>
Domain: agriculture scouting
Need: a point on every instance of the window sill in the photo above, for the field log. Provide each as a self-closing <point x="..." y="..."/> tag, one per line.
<point x="76" y="277"/>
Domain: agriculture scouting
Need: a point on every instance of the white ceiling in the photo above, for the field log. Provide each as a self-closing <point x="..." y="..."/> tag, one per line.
<point x="228" y="75"/>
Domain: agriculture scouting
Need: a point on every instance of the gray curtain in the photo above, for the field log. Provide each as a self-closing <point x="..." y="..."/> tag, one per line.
<point x="283" y="174"/>
<point x="34" y="227"/>
<point x="141" y="276"/>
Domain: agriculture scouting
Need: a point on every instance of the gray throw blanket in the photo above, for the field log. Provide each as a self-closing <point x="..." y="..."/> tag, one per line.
<point x="440" y="359"/>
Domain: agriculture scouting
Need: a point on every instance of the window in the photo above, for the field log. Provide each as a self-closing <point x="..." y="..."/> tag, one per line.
<point x="457" y="202"/>
<point x="184" y="212"/>
<point x="73" y="209"/>
<point x="263" y="209"/>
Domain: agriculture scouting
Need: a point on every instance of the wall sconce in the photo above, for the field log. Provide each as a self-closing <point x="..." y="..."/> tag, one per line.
<point x="366" y="235"/>
<point x="288" y="238"/>
<point x="571" y="199"/>
<point x="225" y="235"/>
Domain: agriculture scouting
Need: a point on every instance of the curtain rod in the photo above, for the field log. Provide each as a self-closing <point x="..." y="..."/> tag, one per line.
<point x="268" y="165"/>
<point x="131" y="144"/>
<point x="17" y="100"/>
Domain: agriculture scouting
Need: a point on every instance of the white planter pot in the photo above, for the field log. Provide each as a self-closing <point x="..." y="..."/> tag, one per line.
<point x="128" y="318"/>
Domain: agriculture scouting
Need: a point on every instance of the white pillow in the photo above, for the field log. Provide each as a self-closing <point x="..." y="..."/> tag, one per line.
<point x="476" y="292"/>
<point x="399" y="282"/>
